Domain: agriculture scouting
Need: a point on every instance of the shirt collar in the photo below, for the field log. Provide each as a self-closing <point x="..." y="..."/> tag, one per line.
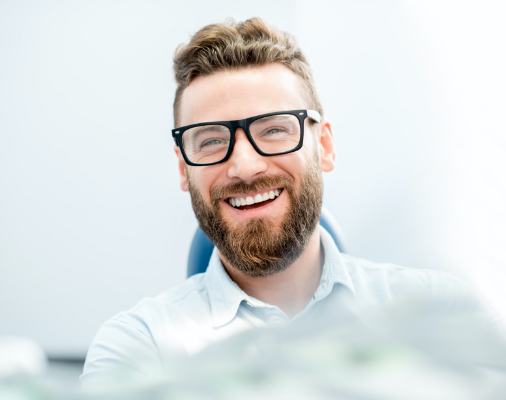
<point x="334" y="269"/>
<point x="225" y="296"/>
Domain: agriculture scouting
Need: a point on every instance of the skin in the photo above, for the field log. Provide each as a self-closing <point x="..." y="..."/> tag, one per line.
<point x="241" y="93"/>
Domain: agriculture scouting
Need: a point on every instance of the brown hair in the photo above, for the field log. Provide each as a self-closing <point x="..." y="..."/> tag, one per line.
<point x="233" y="45"/>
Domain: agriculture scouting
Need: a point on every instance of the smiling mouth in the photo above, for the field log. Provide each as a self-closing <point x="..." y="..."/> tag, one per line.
<point x="258" y="200"/>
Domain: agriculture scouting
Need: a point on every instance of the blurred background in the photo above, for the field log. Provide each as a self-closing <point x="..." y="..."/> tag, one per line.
<point x="91" y="215"/>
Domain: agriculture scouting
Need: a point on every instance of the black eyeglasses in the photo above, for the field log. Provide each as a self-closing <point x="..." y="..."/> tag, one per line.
<point x="272" y="134"/>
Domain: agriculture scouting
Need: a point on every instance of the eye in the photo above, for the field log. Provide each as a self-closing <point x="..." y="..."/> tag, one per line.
<point x="274" y="131"/>
<point x="208" y="143"/>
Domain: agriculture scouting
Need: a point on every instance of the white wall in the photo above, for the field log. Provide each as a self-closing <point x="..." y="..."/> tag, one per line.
<point x="91" y="217"/>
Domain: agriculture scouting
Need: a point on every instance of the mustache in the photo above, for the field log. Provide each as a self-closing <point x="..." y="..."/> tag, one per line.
<point x="262" y="183"/>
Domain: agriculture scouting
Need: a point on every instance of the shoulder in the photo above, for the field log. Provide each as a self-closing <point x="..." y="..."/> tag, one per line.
<point x="192" y="293"/>
<point x="150" y="312"/>
<point x="386" y="281"/>
<point x="142" y="337"/>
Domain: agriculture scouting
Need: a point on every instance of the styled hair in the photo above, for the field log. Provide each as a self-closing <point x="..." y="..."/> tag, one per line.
<point x="234" y="45"/>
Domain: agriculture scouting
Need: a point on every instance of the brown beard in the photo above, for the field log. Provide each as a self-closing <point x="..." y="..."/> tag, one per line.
<point x="256" y="248"/>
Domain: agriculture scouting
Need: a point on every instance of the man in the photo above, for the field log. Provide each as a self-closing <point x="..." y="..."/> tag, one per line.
<point x="251" y="142"/>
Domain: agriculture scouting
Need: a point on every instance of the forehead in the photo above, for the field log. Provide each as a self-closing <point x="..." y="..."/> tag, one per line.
<point x="240" y="93"/>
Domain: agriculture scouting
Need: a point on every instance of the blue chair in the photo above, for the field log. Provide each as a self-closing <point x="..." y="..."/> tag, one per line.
<point x="202" y="247"/>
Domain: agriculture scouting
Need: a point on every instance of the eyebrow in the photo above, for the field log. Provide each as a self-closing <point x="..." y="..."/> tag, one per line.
<point x="276" y="118"/>
<point x="205" y="126"/>
<point x="209" y="128"/>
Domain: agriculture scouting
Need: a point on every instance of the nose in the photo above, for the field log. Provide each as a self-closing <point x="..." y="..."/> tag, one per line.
<point x="245" y="163"/>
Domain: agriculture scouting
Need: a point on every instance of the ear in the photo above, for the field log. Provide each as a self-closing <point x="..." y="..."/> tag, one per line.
<point x="326" y="147"/>
<point x="183" y="173"/>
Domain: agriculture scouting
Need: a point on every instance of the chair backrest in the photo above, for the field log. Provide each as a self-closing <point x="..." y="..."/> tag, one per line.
<point x="202" y="247"/>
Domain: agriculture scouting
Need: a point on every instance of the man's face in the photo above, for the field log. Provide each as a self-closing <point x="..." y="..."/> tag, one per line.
<point x="265" y="237"/>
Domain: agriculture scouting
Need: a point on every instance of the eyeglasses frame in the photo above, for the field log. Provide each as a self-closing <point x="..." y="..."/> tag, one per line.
<point x="177" y="133"/>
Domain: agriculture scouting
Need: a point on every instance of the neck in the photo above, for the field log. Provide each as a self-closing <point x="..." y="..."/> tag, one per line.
<point x="290" y="289"/>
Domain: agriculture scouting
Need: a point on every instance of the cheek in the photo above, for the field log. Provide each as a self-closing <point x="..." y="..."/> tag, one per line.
<point x="310" y="142"/>
<point x="311" y="150"/>
<point x="203" y="181"/>
<point x="306" y="155"/>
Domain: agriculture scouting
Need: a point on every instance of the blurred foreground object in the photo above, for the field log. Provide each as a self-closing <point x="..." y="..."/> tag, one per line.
<point x="412" y="350"/>
<point x="20" y="356"/>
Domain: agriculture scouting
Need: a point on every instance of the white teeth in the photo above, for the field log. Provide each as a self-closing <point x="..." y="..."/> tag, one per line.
<point x="258" y="198"/>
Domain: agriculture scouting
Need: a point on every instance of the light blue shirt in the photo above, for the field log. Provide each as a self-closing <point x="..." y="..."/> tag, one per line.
<point x="209" y="307"/>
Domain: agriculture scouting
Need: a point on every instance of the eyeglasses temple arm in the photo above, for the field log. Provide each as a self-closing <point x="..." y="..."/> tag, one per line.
<point x="314" y="115"/>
